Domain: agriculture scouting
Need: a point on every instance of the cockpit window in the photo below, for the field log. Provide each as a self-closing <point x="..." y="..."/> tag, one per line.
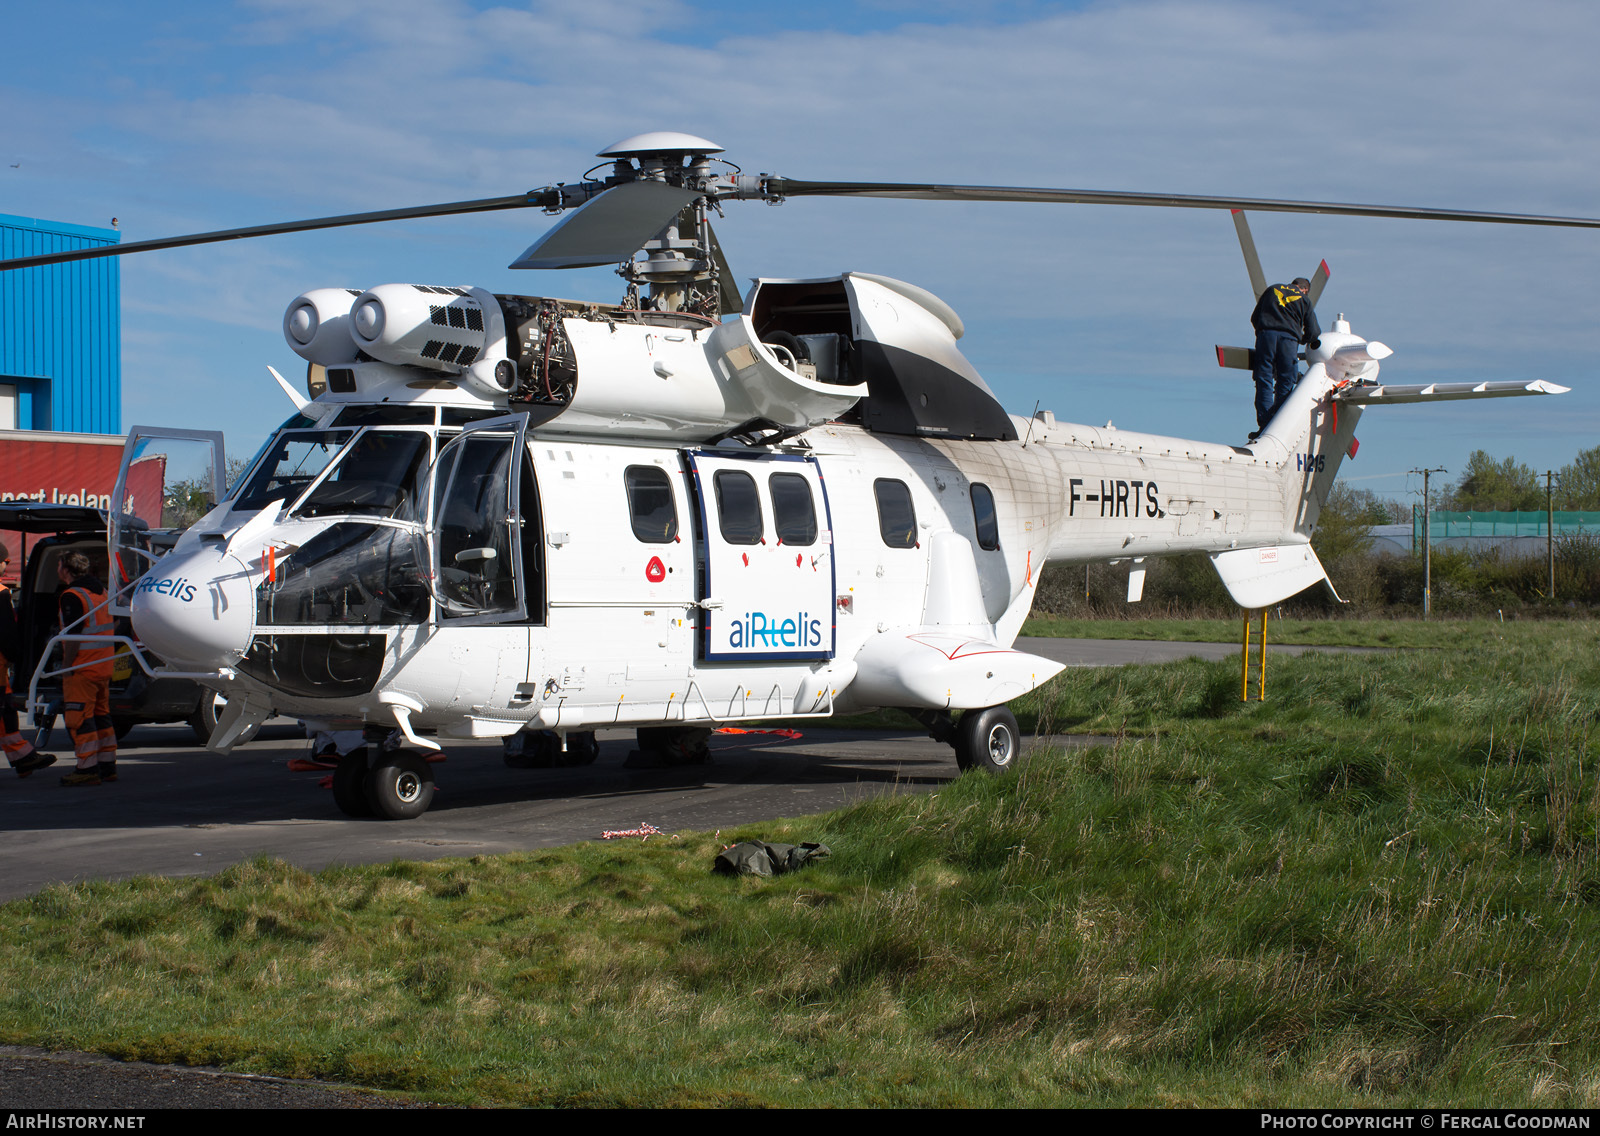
<point x="236" y="473"/>
<point x="462" y="415"/>
<point x="293" y="460"/>
<point x="386" y="414"/>
<point x="350" y="573"/>
<point x="377" y="476"/>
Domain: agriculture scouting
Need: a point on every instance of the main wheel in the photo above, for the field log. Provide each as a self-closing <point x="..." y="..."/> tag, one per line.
<point x="676" y="745"/>
<point x="541" y="749"/>
<point x="582" y="749"/>
<point x="988" y="739"/>
<point x="350" y="784"/>
<point x="400" y="786"/>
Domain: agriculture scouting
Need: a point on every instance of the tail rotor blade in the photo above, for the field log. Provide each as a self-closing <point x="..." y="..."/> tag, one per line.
<point x="1240" y="358"/>
<point x="1318" y="282"/>
<point x="1252" y="262"/>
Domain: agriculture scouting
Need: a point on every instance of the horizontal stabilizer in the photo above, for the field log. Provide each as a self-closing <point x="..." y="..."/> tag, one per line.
<point x="932" y="668"/>
<point x="1261" y="577"/>
<point x="1443" y="392"/>
<point x="1241" y="358"/>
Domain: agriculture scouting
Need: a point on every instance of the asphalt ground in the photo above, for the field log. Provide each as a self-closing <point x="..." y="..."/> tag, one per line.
<point x="177" y="810"/>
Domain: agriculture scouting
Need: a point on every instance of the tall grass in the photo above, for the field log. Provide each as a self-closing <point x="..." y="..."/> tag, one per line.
<point x="1380" y="887"/>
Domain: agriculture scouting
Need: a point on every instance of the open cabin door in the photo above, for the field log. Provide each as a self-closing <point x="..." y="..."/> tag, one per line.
<point x="169" y="479"/>
<point x="476" y="536"/>
<point x="769" y="579"/>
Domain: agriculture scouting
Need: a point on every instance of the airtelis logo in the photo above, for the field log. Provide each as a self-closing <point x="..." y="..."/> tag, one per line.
<point x="177" y="588"/>
<point x="758" y="629"/>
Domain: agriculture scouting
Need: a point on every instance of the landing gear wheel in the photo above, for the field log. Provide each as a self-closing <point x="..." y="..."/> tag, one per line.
<point x="676" y="745"/>
<point x="541" y="749"/>
<point x="581" y="749"/>
<point x="400" y="786"/>
<point x="123" y="726"/>
<point x="350" y="784"/>
<point x="989" y="740"/>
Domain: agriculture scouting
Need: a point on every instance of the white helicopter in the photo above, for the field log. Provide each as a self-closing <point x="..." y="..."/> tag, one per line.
<point x="523" y="517"/>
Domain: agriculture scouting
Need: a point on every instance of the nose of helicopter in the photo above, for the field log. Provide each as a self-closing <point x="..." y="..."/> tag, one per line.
<point x="196" y="608"/>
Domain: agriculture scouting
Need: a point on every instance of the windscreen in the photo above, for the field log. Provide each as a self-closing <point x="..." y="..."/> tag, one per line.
<point x="292" y="462"/>
<point x="375" y="477"/>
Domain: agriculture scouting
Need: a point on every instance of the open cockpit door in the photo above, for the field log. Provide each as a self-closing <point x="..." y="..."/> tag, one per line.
<point x="169" y="479"/>
<point x="475" y="523"/>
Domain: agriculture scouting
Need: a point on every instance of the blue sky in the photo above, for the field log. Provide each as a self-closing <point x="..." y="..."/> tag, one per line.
<point x="181" y="117"/>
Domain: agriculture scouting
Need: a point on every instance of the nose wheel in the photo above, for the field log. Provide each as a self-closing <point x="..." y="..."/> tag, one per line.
<point x="350" y="784"/>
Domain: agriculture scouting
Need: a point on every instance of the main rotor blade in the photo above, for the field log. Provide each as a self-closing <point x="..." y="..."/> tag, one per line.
<point x="548" y="197"/>
<point x="608" y="229"/>
<point x="785" y="187"/>
<point x="1252" y="262"/>
<point x="728" y="299"/>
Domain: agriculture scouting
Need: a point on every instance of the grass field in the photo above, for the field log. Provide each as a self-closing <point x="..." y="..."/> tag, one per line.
<point x="1465" y="633"/>
<point x="1380" y="887"/>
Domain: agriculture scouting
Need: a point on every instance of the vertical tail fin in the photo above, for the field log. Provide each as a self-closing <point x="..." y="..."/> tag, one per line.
<point x="1316" y="434"/>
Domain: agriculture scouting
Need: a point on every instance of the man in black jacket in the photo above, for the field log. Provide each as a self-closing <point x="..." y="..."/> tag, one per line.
<point x="1283" y="320"/>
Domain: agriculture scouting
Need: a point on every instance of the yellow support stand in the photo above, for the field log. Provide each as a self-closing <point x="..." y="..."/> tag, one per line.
<point x="1261" y="659"/>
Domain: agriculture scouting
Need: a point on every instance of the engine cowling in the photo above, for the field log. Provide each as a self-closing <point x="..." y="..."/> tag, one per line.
<point x="317" y="326"/>
<point x="458" y="331"/>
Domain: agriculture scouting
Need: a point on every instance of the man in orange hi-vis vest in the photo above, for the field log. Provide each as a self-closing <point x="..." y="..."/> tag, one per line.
<point x="19" y="750"/>
<point x="86" y="692"/>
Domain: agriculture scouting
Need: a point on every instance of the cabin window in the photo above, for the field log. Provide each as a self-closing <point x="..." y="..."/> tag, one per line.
<point x="738" y="507"/>
<point x="650" y="504"/>
<point x="794" y="514"/>
<point x="983" y="517"/>
<point x="897" y="518"/>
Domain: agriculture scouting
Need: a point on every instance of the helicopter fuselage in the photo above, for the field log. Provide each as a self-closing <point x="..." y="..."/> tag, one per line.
<point x="661" y="584"/>
<point x="620" y="518"/>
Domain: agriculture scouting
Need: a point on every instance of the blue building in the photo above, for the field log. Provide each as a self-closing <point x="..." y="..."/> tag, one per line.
<point x="60" y="332"/>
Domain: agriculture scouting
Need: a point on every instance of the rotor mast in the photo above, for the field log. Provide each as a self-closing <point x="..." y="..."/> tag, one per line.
<point x="678" y="266"/>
